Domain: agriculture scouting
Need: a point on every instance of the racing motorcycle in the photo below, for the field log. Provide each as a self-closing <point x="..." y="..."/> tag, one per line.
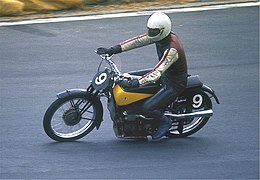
<point x="76" y="112"/>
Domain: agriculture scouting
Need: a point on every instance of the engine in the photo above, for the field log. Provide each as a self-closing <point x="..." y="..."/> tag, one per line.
<point x="133" y="126"/>
<point x="127" y="121"/>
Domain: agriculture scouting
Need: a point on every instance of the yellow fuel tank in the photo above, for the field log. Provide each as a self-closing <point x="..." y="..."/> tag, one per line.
<point x="123" y="98"/>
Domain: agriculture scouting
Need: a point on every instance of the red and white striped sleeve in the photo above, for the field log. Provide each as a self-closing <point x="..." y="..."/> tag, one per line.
<point x="135" y="42"/>
<point x="170" y="56"/>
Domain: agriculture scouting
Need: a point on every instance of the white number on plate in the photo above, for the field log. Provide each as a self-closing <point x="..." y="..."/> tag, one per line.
<point x="197" y="101"/>
<point x="101" y="79"/>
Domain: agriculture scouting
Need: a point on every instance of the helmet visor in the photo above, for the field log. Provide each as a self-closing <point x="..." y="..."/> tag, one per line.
<point x="153" y="32"/>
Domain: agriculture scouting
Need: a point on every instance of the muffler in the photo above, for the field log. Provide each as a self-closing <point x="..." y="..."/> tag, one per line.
<point x="204" y="113"/>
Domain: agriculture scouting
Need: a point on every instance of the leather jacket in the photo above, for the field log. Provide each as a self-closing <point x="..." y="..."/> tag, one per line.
<point x="172" y="65"/>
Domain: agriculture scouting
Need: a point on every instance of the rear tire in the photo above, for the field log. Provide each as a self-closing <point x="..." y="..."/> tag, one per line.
<point x="195" y="101"/>
<point x="72" y="117"/>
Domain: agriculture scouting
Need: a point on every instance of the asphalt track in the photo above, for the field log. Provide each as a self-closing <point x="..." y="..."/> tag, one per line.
<point x="37" y="61"/>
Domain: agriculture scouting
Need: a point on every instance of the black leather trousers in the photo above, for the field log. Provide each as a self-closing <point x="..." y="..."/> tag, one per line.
<point x="154" y="106"/>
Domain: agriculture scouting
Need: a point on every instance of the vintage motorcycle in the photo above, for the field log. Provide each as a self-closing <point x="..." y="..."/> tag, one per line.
<point x="77" y="112"/>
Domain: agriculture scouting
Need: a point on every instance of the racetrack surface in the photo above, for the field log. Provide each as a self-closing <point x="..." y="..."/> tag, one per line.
<point x="37" y="61"/>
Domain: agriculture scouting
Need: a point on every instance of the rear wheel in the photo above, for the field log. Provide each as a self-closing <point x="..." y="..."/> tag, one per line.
<point x="72" y="117"/>
<point x="190" y="102"/>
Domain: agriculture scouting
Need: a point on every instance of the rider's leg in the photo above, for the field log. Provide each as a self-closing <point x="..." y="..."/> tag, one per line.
<point x="154" y="106"/>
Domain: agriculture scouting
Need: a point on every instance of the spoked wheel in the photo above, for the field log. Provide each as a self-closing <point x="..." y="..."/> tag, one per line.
<point x="71" y="118"/>
<point x="196" y="101"/>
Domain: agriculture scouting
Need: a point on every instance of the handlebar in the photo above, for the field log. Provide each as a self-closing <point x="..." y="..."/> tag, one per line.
<point x="108" y="59"/>
<point x="119" y="76"/>
<point x="104" y="56"/>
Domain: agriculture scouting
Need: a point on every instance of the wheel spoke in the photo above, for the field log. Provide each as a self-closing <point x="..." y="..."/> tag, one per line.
<point x="180" y="127"/>
<point x="72" y="103"/>
<point x="87" y="119"/>
<point x="85" y="108"/>
<point x="91" y="112"/>
<point x="79" y="102"/>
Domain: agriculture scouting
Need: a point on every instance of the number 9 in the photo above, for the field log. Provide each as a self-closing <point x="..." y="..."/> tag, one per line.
<point x="197" y="101"/>
<point x="101" y="79"/>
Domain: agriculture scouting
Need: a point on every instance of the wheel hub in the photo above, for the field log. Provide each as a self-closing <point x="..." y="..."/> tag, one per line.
<point x="71" y="117"/>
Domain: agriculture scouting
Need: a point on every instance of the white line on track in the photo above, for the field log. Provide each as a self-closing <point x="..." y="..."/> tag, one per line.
<point x="130" y="14"/>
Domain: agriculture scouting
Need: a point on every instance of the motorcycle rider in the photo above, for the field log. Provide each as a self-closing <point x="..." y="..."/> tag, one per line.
<point x="171" y="69"/>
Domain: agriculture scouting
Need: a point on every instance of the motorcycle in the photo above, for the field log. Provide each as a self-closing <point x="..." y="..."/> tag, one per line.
<point x="76" y="112"/>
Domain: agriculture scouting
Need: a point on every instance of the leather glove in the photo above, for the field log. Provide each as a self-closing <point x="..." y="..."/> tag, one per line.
<point x="110" y="51"/>
<point x="102" y="50"/>
<point x="133" y="83"/>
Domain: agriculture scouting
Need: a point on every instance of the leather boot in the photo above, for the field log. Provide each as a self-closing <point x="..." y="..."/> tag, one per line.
<point x="163" y="128"/>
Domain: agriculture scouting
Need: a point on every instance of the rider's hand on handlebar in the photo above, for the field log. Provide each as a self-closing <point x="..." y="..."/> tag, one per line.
<point x="129" y="83"/>
<point x="102" y="50"/>
<point x="110" y="51"/>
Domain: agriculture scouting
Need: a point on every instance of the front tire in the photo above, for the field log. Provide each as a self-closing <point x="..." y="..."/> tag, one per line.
<point x="72" y="117"/>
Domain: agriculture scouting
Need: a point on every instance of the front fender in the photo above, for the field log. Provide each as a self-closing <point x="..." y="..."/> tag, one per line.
<point x="210" y="91"/>
<point x="70" y="92"/>
<point x="94" y="99"/>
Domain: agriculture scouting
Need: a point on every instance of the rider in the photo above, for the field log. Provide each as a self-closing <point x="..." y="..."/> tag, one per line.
<point x="171" y="69"/>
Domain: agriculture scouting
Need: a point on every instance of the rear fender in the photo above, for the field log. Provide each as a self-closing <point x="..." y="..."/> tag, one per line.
<point x="194" y="83"/>
<point x="96" y="100"/>
<point x="210" y="91"/>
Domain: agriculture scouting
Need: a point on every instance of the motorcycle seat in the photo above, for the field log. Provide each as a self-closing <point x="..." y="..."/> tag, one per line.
<point x="193" y="81"/>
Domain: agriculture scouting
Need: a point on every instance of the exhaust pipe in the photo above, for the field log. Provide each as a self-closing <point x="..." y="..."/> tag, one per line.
<point x="205" y="113"/>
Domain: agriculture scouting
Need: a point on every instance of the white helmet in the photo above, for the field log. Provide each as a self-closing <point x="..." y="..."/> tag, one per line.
<point x="159" y="26"/>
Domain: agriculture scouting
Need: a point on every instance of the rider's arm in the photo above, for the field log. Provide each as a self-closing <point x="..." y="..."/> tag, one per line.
<point x="135" y="42"/>
<point x="170" y="56"/>
<point x="129" y="44"/>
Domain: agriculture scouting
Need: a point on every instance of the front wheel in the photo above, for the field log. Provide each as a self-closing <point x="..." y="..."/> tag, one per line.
<point x="72" y="117"/>
<point x="190" y="102"/>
